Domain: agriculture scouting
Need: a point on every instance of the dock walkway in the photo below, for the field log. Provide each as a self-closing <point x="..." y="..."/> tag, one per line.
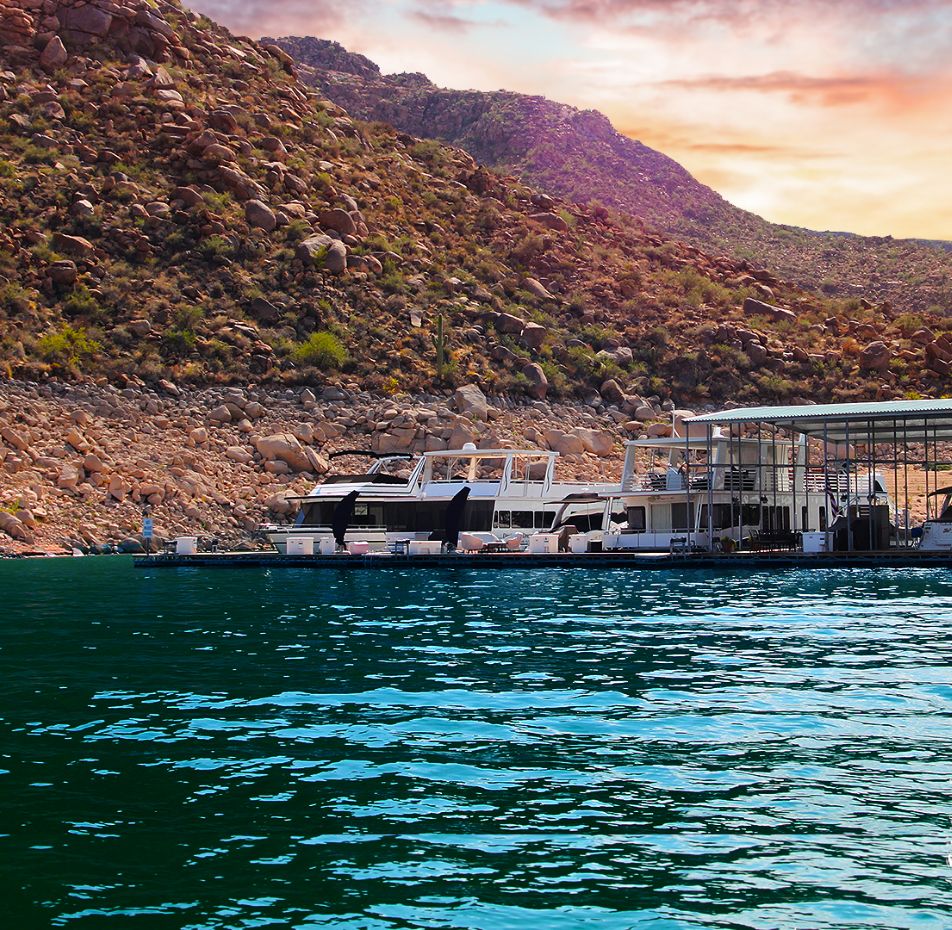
<point x="909" y="558"/>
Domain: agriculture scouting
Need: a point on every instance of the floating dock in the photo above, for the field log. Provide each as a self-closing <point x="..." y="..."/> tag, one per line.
<point x="744" y="561"/>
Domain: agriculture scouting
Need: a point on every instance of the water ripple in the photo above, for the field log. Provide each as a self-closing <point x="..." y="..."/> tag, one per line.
<point x="558" y="749"/>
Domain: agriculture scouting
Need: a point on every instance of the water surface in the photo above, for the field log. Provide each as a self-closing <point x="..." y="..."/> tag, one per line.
<point x="550" y="749"/>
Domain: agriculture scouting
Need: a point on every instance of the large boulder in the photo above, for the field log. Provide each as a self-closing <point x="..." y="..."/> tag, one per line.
<point x="533" y="336"/>
<point x="284" y="447"/>
<point x="259" y="215"/>
<point x="875" y="357"/>
<point x="323" y="252"/>
<point x="471" y="401"/>
<point x="338" y="220"/>
<point x="612" y="393"/>
<point x="509" y="323"/>
<point x="563" y="443"/>
<point x="54" y="54"/>
<point x="538" y="383"/>
<point x="14" y="527"/>
<point x="597" y="441"/>
<point x="754" y="307"/>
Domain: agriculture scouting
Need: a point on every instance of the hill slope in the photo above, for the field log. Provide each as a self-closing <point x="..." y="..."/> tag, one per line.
<point x="175" y="204"/>
<point x="578" y="155"/>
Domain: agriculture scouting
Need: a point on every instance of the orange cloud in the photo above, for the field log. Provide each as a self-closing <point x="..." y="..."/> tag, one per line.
<point x="829" y="91"/>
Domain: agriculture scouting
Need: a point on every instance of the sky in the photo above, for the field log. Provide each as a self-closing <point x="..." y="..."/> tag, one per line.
<point x="829" y="114"/>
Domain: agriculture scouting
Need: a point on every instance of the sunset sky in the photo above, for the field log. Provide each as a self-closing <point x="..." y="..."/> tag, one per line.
<point x="831" y="115"/>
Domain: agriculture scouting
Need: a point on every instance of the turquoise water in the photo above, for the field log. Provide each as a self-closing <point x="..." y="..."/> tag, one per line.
<point x="555" y="749"/>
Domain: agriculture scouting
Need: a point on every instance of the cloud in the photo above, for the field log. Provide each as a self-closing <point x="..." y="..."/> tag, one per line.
<point x="279" y="17"/>
<point x="827" y="90"/>
<point x="449" y="22"/>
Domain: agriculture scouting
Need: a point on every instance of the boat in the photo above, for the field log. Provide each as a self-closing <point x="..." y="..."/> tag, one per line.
<point x="502" y="495"/>
<point x="728" y="492"/>
<point x="937" y="533"/>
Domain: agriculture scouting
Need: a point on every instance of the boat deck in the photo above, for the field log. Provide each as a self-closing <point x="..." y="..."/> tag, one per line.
<point x="901" y="558"/>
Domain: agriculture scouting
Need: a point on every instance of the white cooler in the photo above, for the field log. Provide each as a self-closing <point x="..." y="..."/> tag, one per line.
<point x="544" y="543"/>
<point x="328" y="545"/>
<point x="186" y="545"/>
<point x="301" y="545"/>
<point x="578" y="543"/>
<point x="816" y="541"/>
<point x="425" y="547"/>
<point x="358" y="547"/>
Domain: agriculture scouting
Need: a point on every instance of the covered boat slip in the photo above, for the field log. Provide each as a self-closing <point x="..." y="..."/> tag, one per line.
<point x="831" y="453"/>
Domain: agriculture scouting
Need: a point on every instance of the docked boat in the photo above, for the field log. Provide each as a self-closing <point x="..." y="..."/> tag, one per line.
<point x="937" y="531"/>
<point x="503" y="494"/>
<point x="728" y="492"/>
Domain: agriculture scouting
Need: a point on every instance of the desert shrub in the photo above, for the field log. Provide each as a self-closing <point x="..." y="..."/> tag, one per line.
<point x="180" y="338"/>
<point x="908" y="323"/>
<point x="216" y="247"/>
<point x="80" y="302"/>
<point x="68" y="345"/>
<point x="321" y="349"/>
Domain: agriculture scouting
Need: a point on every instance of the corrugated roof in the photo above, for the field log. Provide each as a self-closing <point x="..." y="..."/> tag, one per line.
<point x="913" y="420"/>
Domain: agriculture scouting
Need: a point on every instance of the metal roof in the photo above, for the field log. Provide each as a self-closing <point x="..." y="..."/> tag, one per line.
<point x="910" y="420"/>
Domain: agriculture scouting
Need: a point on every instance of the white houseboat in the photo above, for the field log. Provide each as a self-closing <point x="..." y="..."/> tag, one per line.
<point x="726" y="492"/>
<point x="503" y="494"/>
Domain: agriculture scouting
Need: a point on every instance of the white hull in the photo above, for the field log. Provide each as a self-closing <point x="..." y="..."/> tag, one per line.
<point x="936" y="537"/>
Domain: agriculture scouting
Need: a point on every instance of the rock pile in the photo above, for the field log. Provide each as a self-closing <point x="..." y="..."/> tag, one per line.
<point x="81" y="464"/>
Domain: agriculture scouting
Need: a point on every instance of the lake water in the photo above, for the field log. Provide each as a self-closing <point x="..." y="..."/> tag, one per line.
<point x="548" y="749"/>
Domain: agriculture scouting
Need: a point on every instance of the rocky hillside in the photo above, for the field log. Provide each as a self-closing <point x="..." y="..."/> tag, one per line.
<point x="176" y="206"/>
<point x="79" y="463"/>
<point x="578" y="155"/>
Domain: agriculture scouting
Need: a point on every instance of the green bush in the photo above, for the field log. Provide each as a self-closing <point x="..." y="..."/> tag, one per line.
<point x="68" y="346"/>
<point x="321" y="350"/>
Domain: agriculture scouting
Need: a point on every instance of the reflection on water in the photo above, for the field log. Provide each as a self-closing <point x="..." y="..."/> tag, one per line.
<point x="555" y="749"/>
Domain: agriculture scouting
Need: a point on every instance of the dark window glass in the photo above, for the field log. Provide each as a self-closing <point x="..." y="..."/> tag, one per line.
<point x="637" y="521"/>
<point x="681" y="521"/>
<point x="522" y="519"/>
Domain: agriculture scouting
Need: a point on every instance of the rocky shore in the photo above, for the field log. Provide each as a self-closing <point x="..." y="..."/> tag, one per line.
<point x="81" y="463"/>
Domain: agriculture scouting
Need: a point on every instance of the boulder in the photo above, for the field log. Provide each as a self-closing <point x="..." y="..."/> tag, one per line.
<point x="563" y="443"/>
<point x="537" y="289"/>
<point x="83" y="23"/>
<point x="287" y="448"/>
<point x="509" y="323"/>
<point x="551" y="220"/>
<point x="338" y="220"/>
<point x="280" y="505"/>
<point x="14" y="439"/>
<point x="597" y="441"/>
<point x="612" y="393"/>
<point x="53" y="55"/>
<point x="70" y="477"/>
<point x="323" y="252"/>
<point x="76" y="246"/>
<point x="259" y="215"/>
<point x="754" y="307"/>
<point x="63" y="273"/>
<point x="14" y="527"/>
<point x="471" y="401"/>
<point x="875" y="357"/>
<point x="131" y="546"/>
<point x="533" y="336"/>
<point x="538" y="383"/>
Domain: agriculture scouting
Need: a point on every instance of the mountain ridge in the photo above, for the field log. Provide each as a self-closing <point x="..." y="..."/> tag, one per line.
<point x="176" y="205"/>
<point x="578" y="155"/>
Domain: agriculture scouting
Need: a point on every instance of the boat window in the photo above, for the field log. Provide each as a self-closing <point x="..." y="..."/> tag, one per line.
<point x="522" y="519"/>
<point x="502" y="519"/>
<point x="681" y="521"/>
<point x="637" y="519"/>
